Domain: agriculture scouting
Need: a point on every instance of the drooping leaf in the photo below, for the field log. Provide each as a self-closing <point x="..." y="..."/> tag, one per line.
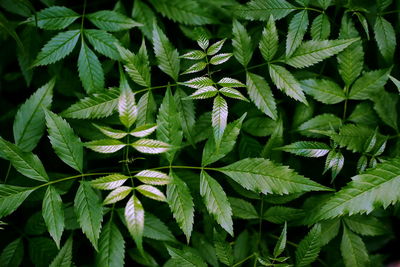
<point x="334" y="162"/>
<point x="216" y="201"/>
<point x="368" y="84"/>
<point x="64" y="256"/>
<point x="156" y="229"/>
<point x="297" y="28"/>
<point x="281" y="243"/>
<point x="53" y="214"/>
<point x="261" y="10"/>
<point x="185" y="257"/>
<point x="353" y="249"/>
<point x="181" y="204"/>
<point x="90" y="70"/>
<point x="103" y="42"/>
<point x="89" y="212"/>
<point x="111" y="21"/>
<point x="307" y="149"/>
<point x="264" y="176"/>
<point x="66" y="144"/>
<point x="261" y="95"/>
<point x="385" y="38"/>
<point x="54" y="18"/>
<point x="312" y="52"/>
<point x="27" y="163"/>
<point x="324" y="91"/>
<point x="269" y="40"/>
<point x="219" y="118"/>
<point x="12" y="254"/>
<point x="134" y="217"/>
<point x="11" y="197"/>
<point x="57" y="48"/>
<point x="29" y="121"/>
<point x="309" y="247"/>
<point x="167" y="56"/>
<point x="319" y="123"/>
<point x="241" y="43"/>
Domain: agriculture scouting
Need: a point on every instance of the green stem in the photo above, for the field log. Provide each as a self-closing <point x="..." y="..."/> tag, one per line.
<point x="260" y="220"/>
<point x="184" y="167"/>
<point x="244" y="260"/>
<point x="154" y="87"/>
<point x="70" y="178"/>
<point x="83" y="16"/>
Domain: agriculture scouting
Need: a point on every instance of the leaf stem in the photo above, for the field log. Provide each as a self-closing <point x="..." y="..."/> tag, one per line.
<point x="244" y="260"/>
<point x="70" y="178"/>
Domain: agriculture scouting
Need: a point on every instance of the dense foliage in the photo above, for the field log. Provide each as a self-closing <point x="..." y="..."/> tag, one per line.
<point x="199" y="132"/>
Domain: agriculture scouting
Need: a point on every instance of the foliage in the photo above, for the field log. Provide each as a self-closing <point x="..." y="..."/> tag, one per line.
<point x="199" y="133"/>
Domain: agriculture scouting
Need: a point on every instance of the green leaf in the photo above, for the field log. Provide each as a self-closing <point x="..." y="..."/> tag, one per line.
<point x="168" y="122"/>
<point x="110" y="132"/>
<point x="366" y="225"/>
<point x="204" y="93"/>
<point x="199" y="82"/>
<point x="281" y="214"/>
<point x="319" y="123"/>
<point x="320" y="27"/>
<point x="307" y="149"/>
<point x="281" y="243"/>
<point x="90" y="70"/>
<point x="105" y="145"/>
<point x="29" y="121"/>
<point x="232" y="93"/>
<point x="384" y="104"/>
<point x="312" y="52"/>
<point x="57" y="48"/>
<point x="151" y="192"/>
<point x="194" y="55"/>
<point x="144" y="130"/>
<point x="375" y="187"/>
<point x="64" y="256"/>
<point x="223" y="248"/>
<point x="243" y="209"/>
<point x="103" y="42"/>
<point x="395" y="81"/>
<point x="145" y="15"/>
<point x="262" y="10"/>
<point x="261" y="95"/>
<point x="335" y="162"/>
<point x="53" y="214"/>
<point x="155" y="229"/>
<point x="196" y="67"/>
<point x="324" y="91"/>
<point x="54" y="18"/>
<point x="264" y="176"/>
<point x="219" y="119"/>
<point x="127" y="109"/>
<point x="220" y="58"/>
<point x="353" y="249"/>
<point x="185" y="258"/>
<point x="385" y="38"/>
<point x="27" y="163"/>
<point x="66" y="144"/>
<point x="138" y="66"/>
<point x="187" y="12"/>
<point x="186" y="110"/>
<point x="153" y="177"/>
<point x="95" y="106"/>
<point x="269" y="40"/>
<point x="241" y="43"/>
<point x="109" y="182"/>
<point x="117" y="194"/>
<point x="297" y="28"/>
<point x="41" y="251"/>
<point x="216" y="201"/>
<point x="329" y="230"/>
<point x="230" y="82"/>
<point x="286" y="82"/>
<point x="134" y="217"/>
<point x="368" y="84"/>
<point x="167" y="56"/>
<point x="146" y="109"/>
<point x="309" y="248"/>
<point x="150" y="146"/>
<point x="215" y="47"/>
<point x="89" y="212"/>
<point x="181" y="204"/>
<point x="11" y="197"/>
<point x="111" y="247"/>
<point x="211" y="153"/>
<point x="12" y="254"/>
<point x="111" y="21"/>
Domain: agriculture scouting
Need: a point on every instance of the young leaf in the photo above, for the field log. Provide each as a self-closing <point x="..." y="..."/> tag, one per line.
<point x="215" y="48"/>
<point x="229" y="82"/>
<point x="312" y="52"/>
<point x="127" y="108"/>
<point x="384" y="104"/>
<point x="219" y="118"/>
<point x="264" y="176"/>
<point x="54" y="18"/>
<point x="324" y="91"/>
<point x="144" y="130"/>
<point x="13" y="254"/>
<point x="181" y="204"/>
<point x="112" y="21"/>
<point x="368" y="84"/>
<point x="11" y="197"/>
<point x="134" y="217"/>
<point x="196" y="67"/>
<point x="199" y="82"/>
<point x="103" y="42"/>
<point x="194" y="55"/>
<point x="105" y="145"/>
<point x="153" y="177"/>
<point x="232" y="93"/>
<point x="29" y="121"/>
<point x="186" y="110"/>
<point x="320" y="27"/>
<point x="110" y="132"/>
<point x="307" y="149"/>
<point x="286" y="82"/>
<point x="90" y="70"/>
<point x="95" y="106"/>
<point x="66" y="144"/>
<point x="64" y="256"/>
<point x="297" y="28"/>
<point x="204" y="93"/>
<point x="260" y="93"/>
<point x="151" y="192"/>
<point x="220" y="58"/>
<point x="269" y="40"/>
<point x="216" y="201"/>
<point x="385" y="38"/>
<point x="167" y="56"/>
<point x="281" y="244"/>
<point x="117" y="194"/>
<point x="109" y="182"/>
<point x="138" y="66"/>
<point x="57" y="48"/>
<point x="211" y="154"/>
<point x="89" y="212"/>
<point x="353" y="249"/>
<point x="309" y="247"/>
<point x="27" y="163"/>
<point x="241" y="43"/>
<point x="150" y="146"/>
<point x="262" y="10"/>
<point x="53" y="214"/>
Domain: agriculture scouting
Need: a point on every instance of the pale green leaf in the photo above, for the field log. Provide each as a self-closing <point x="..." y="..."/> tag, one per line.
<point x="111" y="247"/>
<point x="230" y="82"/>
<point x="223" y="249"/>
<point x="89" y="212"/>
<point x="319" y="123"/>
<point x="134" y="217"/>
<point x="219" y="118"/>
<point x="241" y="43"/>
<point x="146" y="109"/>
<point x="353" y="250"/>
<point x="309" y="248"/>
<point x="53" y="214"/>
<point x="297" y="28"/>
<point x="117" y="194"/>
<point x="269" y="40"/>
<point x="151" y="192"/>
<point x="65" y="142"/>
<point x="366" y="225"/>
<point x="194" y="55"/>
<point x="111" y="21"/>
<point x="335" y="162"/>
<point x="196" y="67"/>
<point x="307" y="149"/>
<point x="204" y="93"/>
<point x="215" y="47"/>
<point x="90" y="70"/>
<point x="127" y="109"/>
<point x="153" y="177"/>
<point x="220" y="58"/>
<point x="57" y="48"/>
<point x="109" y="182"/>
<point x="232" y="93"/>
<point x="150" y="146"/>
<point x="54" y="18"/>
<point x="105" y="145"/>
<point x="29" y="123"/>
<point x="199" y="82"/>
<point x="143" y="130"/>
